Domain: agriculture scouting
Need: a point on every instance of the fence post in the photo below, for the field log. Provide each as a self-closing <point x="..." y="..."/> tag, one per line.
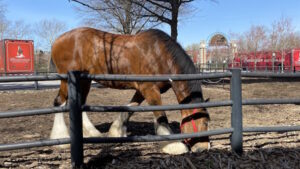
<point x="36" y="83"/>
<point x="74" y="98"/>
<point x="236" y="111"/>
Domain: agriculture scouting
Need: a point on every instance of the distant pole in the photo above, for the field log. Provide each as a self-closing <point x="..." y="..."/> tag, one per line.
<point x="36" y="83"/>
<point x="282" y="58"/>
<point x="273" y="60"/>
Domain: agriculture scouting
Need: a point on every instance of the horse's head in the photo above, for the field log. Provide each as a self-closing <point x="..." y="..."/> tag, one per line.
<point x="193" y="121"/>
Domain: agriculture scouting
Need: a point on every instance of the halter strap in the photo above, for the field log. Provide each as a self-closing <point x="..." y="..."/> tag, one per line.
<point x="192" y="121"/>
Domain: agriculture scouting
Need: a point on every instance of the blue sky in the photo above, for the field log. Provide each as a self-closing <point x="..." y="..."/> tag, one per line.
<point x="224" y="16"/>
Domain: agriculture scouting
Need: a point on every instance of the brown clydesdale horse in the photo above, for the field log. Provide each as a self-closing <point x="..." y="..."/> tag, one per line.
<point x="151" y="52"/>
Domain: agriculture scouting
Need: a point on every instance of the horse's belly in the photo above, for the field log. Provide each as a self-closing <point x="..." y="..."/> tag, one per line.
<point x="118" y="85"/>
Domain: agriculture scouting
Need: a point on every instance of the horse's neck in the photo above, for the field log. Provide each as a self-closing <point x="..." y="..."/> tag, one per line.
<point x="181" y="90"/>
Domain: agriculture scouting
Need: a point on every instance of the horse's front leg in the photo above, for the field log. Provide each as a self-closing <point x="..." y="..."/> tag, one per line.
<point x="119" y="126"/>
<point x="161" y="125"/>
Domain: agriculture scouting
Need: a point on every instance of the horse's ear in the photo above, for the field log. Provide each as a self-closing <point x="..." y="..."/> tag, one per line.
<point x="207" y="100"/>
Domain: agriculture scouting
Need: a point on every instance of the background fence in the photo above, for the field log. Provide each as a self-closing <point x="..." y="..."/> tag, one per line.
<point x="75" y="108"/>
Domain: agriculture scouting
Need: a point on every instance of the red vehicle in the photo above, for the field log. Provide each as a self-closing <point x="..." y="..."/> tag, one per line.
<point x="16" y="57"/>
<point x="287" y="61"/>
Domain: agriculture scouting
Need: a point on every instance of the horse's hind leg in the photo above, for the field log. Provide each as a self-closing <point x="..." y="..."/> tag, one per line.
<point x="59" y="129"/>
<point x="153" y="97"/>
<point x="118" y="127"/>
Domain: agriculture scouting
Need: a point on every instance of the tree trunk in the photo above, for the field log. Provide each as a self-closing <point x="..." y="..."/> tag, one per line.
<point x="174" y="22"/>
<point x="127" y="26"/>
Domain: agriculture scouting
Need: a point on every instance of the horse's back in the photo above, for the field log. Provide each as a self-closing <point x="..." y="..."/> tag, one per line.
<point x="97" y="52"/>
<point x="90" y="50"/>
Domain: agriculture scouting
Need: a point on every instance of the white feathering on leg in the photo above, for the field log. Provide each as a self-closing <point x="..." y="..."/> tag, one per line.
<point x="162" y="130"/>
<point x="117" y="129"/>
<point x="89" y="130"/>
<point x="59" y="129"/>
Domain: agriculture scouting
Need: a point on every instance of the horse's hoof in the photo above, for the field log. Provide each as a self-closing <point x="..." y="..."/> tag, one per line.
<point x="91" y="133"/>
<point x="63" y="146"/>
<point x="175" y="148"/>
<point x="200" y="147"/>
<point x="55" y="134"/>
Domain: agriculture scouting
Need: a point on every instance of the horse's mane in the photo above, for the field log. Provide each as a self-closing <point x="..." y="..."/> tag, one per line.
<point x="183" y="61"/>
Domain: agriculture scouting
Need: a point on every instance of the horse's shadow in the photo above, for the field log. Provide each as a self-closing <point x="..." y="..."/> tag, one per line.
<point x="135" y="128"/>
<point x="108" y="153"/>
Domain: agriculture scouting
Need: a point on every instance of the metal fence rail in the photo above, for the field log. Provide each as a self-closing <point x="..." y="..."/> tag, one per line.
<point x="155" y="78"/>
<point x="20" y="113"/>
<point x="271" y="129"/>
<point x="154" y="108"/>
<point x="270" y="101"/>
<point x="270" y="74"/>
<point x="147" y="78"/>
<point x="75" y="107"/>
<point x="33" y="78"/>
<point x="32" y="144"/>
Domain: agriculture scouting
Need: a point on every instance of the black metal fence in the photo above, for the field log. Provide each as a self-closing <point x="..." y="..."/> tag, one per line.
<point x="75" y="108"/>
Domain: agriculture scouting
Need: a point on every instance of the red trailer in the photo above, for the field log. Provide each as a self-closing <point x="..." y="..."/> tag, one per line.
<point x="296" y="59"/>
<point x="287" y="61"/>
<point x="16" y="57"/>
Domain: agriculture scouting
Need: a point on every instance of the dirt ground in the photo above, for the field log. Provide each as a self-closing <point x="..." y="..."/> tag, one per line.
<point x="261" y="150"/>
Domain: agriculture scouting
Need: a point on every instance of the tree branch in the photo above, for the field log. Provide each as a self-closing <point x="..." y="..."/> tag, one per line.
<point x="91" y="7"/>
<point x="153" y="14"/>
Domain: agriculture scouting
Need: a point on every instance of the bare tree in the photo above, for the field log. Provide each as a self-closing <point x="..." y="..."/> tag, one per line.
<point x="4" y="23"/>
<point x="194" y="46"/>
<point x="136" y="14"/>
<point x="19" y="30"/>
<point x="253" y="40"/>
<point x="48" y="30"/>
<point x="239" y="39"/>
<point x="283" y="35"/>
<point x="256" y="38"/>
<point x="120" y="16"/>
<point x="279" y="37"/>
<point x="165" y="11"/>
